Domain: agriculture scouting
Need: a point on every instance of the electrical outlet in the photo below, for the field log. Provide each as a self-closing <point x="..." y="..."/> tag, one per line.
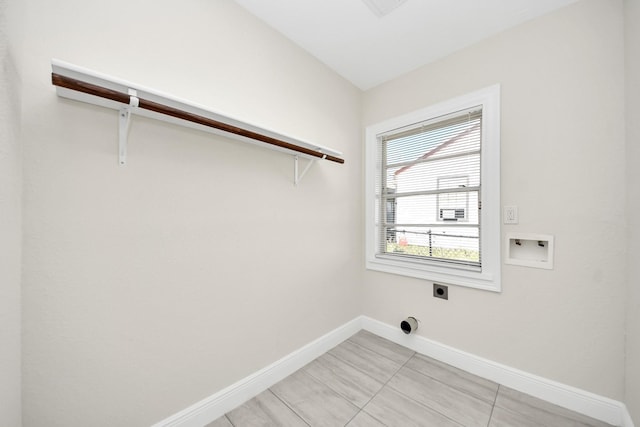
<point x="510" y="215"/>
<point x="440" y="291"/>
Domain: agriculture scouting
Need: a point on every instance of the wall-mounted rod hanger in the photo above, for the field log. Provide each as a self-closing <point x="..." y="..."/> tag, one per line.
<point x="89" y="86"/>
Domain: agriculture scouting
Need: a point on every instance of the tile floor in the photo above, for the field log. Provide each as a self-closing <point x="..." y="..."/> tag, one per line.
<point x="368" y="381"/>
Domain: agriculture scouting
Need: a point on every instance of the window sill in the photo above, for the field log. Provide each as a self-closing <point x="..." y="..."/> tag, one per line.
<point x="468" y="277"/>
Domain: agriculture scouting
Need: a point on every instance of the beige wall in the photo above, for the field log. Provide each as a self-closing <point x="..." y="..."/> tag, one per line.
<point x="150" y="287"/>
<point x="10" y="236"/>
<point x="563" y="160"/>
<point x="632" y="39"/>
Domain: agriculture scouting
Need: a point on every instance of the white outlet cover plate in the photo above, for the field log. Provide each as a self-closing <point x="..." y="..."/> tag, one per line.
<point x="510" y="215"/>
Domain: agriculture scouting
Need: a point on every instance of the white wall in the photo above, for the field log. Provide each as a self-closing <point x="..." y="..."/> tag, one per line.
<point x="563" y="160"/>
<point x="10" y="236"/>
<point x="140" y="296"/>
<point x="632" y="76"/>
<point x="150" y="287"/>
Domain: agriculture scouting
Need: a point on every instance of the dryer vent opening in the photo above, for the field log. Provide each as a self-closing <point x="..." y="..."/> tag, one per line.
<point x="409" y="325"/>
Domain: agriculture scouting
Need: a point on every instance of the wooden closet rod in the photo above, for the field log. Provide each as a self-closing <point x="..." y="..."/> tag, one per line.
<point x="124" y="98"/>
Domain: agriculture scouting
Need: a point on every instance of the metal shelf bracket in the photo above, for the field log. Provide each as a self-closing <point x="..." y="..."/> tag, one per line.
<point x="124" y="118"/>
<point x="297" y="176"/>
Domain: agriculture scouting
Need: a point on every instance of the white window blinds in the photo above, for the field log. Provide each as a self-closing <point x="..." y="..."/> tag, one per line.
<point x="430" y="186"/>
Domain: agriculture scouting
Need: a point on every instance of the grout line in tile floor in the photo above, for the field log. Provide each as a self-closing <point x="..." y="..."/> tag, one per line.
<point x="383" y="386"/>
<point x="288" y="406"/>
<point x="493" y="406"/>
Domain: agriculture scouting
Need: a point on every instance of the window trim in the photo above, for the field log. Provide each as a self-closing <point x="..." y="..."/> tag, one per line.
<point x="489" y="278"/>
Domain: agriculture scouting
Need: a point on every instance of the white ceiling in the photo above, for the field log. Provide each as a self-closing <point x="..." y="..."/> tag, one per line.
<point x="368" y="50"/>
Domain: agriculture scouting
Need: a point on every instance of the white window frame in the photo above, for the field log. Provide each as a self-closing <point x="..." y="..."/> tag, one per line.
<point x="488" y="276"/>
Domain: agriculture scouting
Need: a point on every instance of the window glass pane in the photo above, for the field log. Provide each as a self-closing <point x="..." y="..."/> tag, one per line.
<point x="426" y="176"/>
<point x="446" y="243"/>
<point x="431" y="181"/>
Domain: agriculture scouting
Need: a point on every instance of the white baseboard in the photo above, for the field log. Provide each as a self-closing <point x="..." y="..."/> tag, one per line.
<point x="626" y="418"/>
<point x="213" y="407"/>
<point x="584" y="402"/>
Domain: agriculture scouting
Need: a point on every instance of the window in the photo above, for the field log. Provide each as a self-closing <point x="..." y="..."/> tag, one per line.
<point x="433" y="192"/>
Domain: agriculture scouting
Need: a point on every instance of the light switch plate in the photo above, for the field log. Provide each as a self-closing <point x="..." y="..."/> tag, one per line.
<point x="510" y="215"/>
